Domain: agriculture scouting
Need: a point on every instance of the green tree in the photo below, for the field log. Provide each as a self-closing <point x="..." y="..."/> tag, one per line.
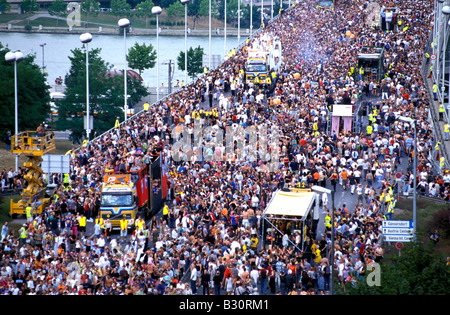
<point x="33" y="94"/>
<point x="194" y="61"/>
<point x="203" y="9"/>
<point x="193" y="10"/>
<point x="106" y="97"/>
<point x="120" y="7"/>
<point x="167" y="3"/>
<point x="4" y="6"/>
<point x="90" y="7"/>
<point x="57" y="7"/>
<point x="417" y="271"/>
<point x="144" y="9"/>
<point x="141" y="57"/>
<point x="175" y="11"/>
<point x="29" y="6"/>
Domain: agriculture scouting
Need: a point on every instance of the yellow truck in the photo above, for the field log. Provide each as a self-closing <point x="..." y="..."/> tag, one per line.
<point x="124" y="195"/>
<point x="256" y="67"/>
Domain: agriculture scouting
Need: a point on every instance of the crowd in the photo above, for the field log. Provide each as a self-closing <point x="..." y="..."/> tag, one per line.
<point x="210" y="242"/>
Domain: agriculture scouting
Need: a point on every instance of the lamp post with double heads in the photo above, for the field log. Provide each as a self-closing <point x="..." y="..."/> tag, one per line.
<point x="185" y="3"/>
<point x="123" y="24"/>
<point x="86" y="38"/>
<point x="157" y="11"/>
<point x="15" y="57"/>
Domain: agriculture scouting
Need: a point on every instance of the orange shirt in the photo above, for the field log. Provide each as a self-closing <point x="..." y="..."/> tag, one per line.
<point x="344" y="175"/>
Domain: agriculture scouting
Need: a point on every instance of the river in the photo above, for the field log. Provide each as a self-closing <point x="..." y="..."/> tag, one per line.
<point x="58" y="49"/>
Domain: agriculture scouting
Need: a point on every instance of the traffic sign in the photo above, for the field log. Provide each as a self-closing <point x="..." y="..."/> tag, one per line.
<point x="399" y="245"/>
<point x="433" y="57"/>
<point x="398" y="238"/>
<point x="398" y="176"/>
<point x="397" y="230"/>
<point x="397" y="224"/>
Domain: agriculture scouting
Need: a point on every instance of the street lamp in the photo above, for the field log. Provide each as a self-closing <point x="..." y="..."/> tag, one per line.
<point x="239" y="22"/>
<point x="251" y="17"/>
<point x="15" y="57"/>
<point x="209" y="39"/>
<point x="43" y="64"/>
<point x="446" y="11"/>
<point x="123" y="24"/>
<point x="157" y="11"/>
<point x="185" y="3"/>
<point x="412" y="123"/>
<point x="225" y="28"/>
<point x="437" y="25"/>
<point x="85" y="39"/>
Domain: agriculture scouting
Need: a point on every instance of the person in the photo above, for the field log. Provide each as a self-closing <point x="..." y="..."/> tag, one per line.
<point x="117" y="123"/>
<point x="434" y="237"/>
<point x="40" y="130"/>
<point x="123" y="228"/>
<point x="217" y="282"/>
<point x="205" y="280"/>
<point x="194" y="278"/>
<point x="5" y="229"/>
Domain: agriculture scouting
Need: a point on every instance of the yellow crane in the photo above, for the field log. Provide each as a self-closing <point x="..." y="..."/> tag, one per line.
<point x="33" y="146"/>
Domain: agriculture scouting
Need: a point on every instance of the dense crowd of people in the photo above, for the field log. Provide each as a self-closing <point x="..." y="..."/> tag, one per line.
<point x="211" y="240"/>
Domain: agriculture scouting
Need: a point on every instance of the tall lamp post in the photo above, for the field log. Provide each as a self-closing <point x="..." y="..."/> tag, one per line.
<point x="412" y="123"/>
<point x="225" y="28"/>
<point x="85" y="39"/>
<point x="185" y="3"/>
<point x="239" y="22"/>
<point x="209" y="37"/>
<point x="43" y="60"/>
<point x="251" y="17"/>
<point x="437" y="25"/>
<point x="123" y="24"/>
<point x="15" y="57"/>
<point x="157" y="11"/>
<point x="446" y="12"/>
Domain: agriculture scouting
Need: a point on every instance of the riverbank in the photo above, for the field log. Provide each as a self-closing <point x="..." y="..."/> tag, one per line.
<point x="115" y="31"/>
<point x="107" y="25"/>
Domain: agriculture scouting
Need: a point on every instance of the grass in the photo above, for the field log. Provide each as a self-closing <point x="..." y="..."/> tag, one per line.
<point x="424" y="214"/>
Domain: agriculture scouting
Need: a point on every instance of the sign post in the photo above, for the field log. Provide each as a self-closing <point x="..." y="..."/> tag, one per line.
<point x="397" y="231"/>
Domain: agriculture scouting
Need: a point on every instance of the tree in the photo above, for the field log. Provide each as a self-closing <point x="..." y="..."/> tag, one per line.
<point x="193" y="10"/>
<point x="29" y="6"/>
<point x="33" y="94"/>
<point x="203" y="9"/>
<point x="90" y="7"/>
<point x="417" y="271"/>
<point x="4" y="6"/>
<point x="141" y="57"/>
<point x="57" y="7"/>
<point x="194" y="60"/>
<point x="106" y="97"/>
<point x="175" y="11"/>
<point x="144" y="9"/>
<point x="120" y="7"/>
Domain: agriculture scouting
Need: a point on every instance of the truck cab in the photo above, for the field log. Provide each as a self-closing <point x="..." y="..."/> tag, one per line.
<point x="119" y="198"/>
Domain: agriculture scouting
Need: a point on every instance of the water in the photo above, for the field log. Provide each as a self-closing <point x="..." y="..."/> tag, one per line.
<point x="58" y="48"/>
